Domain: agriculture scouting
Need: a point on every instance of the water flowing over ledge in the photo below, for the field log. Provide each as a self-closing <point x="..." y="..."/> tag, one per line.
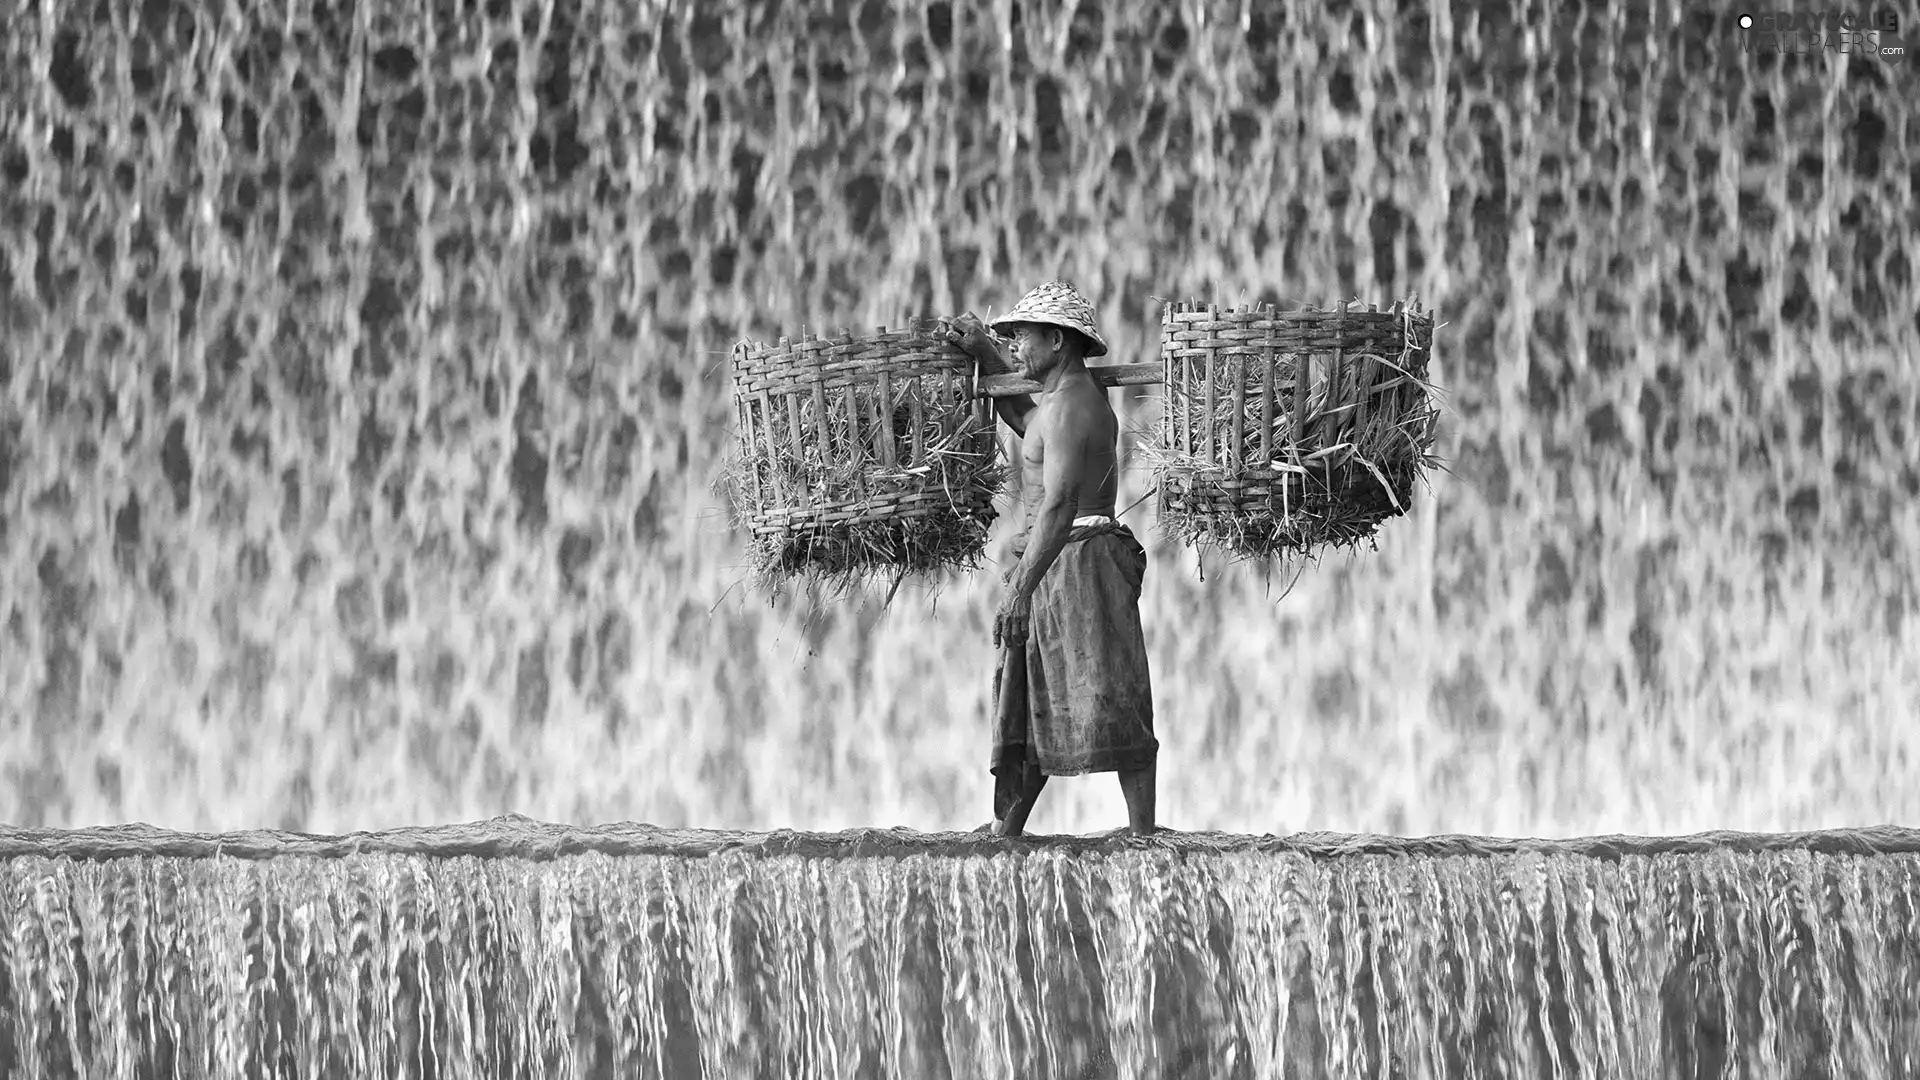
<point x="520" y="837"/>
<point x="510" y="947"/>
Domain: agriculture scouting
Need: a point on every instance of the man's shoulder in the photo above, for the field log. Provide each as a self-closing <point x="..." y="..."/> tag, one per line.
<point x="1084" y="405"/>
<point x="1085" y="388"/>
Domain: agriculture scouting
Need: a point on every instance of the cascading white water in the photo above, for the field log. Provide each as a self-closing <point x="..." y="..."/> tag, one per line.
<point x="362" y="382"/>
<point x="508" y="948"/>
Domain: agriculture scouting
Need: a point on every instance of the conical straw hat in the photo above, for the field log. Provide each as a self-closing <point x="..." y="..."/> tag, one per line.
<point x="1057" y="303"/>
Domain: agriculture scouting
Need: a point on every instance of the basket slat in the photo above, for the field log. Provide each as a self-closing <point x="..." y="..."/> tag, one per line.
<point x="1173" y="402"/>
<point x="1212" y="412"/>
<point x="1302" y="387"/>
<point x="1266" y="409"/>
<point x="1169" y="400"/>
<point x="982" y="402"/>
<point x="1337" y="377"/>
<point x="1236" y="449"/>
<point x="985" y="435"/>
<point x="766" y="431"/>
<point x="795" y="442"/>
<point x="949" y="392"/>
<point x="884" y="415"/>
<point x="821" y="434"/>
<point x="919" y="423"/>
<point x="854" y="448"/>
<point x="749" y="436"/>
<point x="1185" y="392"/>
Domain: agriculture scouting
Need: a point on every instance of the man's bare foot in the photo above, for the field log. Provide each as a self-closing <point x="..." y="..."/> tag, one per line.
<point x="996" y="828"/>
<point x="1015" y="821"/>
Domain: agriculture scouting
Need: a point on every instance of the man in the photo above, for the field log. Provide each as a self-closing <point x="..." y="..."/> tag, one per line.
<point x="1072" y="694"/>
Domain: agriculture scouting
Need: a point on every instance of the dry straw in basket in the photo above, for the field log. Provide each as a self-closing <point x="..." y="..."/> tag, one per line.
<point x="1284" y="432"/>
<point x="861" y="456"/>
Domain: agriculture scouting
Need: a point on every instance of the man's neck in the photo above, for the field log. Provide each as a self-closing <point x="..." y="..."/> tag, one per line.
<point x="1062" y="373"/>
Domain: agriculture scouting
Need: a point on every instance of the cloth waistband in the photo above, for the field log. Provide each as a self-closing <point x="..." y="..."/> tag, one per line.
<point x="1093" y="519"/>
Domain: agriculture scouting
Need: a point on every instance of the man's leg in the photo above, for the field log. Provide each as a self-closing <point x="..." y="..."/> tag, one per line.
<point x="1137" y="787"/>
<point x="1015" y="823"/>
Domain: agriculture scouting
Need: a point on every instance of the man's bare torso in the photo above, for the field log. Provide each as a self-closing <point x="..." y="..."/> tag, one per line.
<point x="1077" y="408"/>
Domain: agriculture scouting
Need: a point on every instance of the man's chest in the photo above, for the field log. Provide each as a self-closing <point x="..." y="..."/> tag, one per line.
<point x="1033" y="447"/>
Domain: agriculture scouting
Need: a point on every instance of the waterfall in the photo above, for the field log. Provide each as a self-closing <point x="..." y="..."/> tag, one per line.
<point x="510" y="948"/>
<point x="362" y="385"/>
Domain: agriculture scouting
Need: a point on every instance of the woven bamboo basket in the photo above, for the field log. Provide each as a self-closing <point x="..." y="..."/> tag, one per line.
<point x="862" y="455"/>
<point x="1283" y="432"/>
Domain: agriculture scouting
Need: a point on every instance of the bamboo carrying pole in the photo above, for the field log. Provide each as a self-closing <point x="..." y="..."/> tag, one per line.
<point x="1107" y="375"/>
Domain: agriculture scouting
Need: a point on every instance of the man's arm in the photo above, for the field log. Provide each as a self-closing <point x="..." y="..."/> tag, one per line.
<point x="1060" y="495"/>
<point x="984" y="347"/>
<point x="1014" y="410"/>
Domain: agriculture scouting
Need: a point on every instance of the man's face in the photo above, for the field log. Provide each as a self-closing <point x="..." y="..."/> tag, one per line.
<point x="1034" y="346"/>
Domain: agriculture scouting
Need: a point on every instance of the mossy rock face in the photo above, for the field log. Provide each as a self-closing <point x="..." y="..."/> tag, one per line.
<point x="292" y="304"/>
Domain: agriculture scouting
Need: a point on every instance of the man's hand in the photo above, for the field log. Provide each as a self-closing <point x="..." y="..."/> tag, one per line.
<point x="1010" y="623"/>
<point x="970" y="334"/>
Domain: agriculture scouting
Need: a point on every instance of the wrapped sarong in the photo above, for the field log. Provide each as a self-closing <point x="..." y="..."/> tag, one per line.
<point x="1081" y="701"/>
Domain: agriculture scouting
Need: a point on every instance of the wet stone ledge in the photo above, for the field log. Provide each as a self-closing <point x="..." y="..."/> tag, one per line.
<point x="515" y="836"/>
